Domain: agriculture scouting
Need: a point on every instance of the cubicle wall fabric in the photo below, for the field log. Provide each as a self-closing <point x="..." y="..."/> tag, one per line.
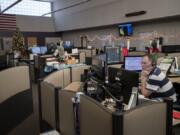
<point x="66" y="113"/>
<point x="149" y="119"/>
<point x="48" y="103"/>
<point x="95" y="119"/>
<point x="14" y="80"/>
<point x="15" y="110"/>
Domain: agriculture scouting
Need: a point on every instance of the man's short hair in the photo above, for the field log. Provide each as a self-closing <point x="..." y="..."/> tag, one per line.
<point x="152" y="57"/>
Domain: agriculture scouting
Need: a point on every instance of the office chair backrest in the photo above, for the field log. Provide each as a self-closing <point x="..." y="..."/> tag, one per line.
<point x="95" y="119"/>
<point x="66" y="116"/>
<point x="149" y="119"/>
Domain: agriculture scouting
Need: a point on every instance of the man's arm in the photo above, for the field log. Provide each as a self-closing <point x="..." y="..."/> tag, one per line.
<point x="143" y="79"/>
<point x="143" y="89"/>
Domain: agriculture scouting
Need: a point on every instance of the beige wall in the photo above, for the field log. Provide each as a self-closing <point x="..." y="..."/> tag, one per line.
<point x="166" y="27"/>
<point x="35" y="24"/>
<point x="108" y="12"/>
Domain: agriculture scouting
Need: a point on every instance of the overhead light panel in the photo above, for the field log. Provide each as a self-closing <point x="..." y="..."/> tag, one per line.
<point x="10" y="6"/>
<point x="70" y="6"/>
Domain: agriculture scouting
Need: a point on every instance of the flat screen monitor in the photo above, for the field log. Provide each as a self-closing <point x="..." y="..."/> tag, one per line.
<point x="128" y="79"/>
<point x="133" y="63"/>
<point x="67" y="45"/>
<point x="43" y="49"/>
<point x="39" y="50"/>
<point x="125" y="29"/>
<point x="113" y="54"/>
<point x="36" y="50"/>
<point x="98" y="66"/>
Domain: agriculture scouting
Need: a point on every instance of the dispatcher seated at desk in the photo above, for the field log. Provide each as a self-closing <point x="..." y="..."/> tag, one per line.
<point x="153" y="82"/>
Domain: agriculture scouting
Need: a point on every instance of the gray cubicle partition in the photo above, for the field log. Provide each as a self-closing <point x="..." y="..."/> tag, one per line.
<point x="17" y="116"/>
<point x="153" y="118"/>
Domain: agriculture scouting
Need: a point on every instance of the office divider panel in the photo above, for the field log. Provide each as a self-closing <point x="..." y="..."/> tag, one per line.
<point x="146" y="120"/>
<point x="16" y="108"/>
<point x="48" y="104"/>
<point x="66" y="112"/>
<point x="95" y="119"/>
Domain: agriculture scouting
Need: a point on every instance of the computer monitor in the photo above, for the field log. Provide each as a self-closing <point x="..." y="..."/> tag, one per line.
<point x="133" y="98"/>
<point x="39" y="50"/>
<point x="128" y="79"/>
<point x="113" y="54"/>
<point x="98" y="66"/>
<point x="133" y="63"/>
<point x="35" y="50"/>
<point x="67" y="45"/>
<point x="43" y="49"/>
<point x="125" y="29"/>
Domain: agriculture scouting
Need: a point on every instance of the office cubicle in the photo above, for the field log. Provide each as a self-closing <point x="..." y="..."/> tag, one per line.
<point x="17" y="114"/>
<point x="153" y="118"/>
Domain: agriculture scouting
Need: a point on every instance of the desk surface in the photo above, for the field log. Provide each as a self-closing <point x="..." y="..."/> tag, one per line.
<point x="174" y="78"/>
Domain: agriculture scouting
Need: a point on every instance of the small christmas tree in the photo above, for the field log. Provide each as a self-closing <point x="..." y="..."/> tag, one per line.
<point x="18" y="42"/>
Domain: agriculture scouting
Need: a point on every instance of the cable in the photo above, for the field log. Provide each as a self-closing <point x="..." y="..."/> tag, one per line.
<point x="107" y="91"/>
<point x="101" y="84"/>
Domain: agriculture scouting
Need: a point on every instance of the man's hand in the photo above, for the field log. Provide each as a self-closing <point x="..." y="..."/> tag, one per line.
<point x="143" y="76"/>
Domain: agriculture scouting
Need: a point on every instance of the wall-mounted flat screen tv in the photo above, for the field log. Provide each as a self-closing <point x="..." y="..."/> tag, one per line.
<point x="125" y="29"/>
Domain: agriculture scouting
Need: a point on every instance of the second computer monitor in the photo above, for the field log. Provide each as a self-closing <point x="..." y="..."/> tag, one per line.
<point x="133" y="63"/>
<point x="113" y="54"/>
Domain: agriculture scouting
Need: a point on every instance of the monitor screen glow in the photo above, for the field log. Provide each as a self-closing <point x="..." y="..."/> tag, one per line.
<point x="36" y="50"/>
<point x="43" y="49"/>
<point x="133" y="63"/>
<point x="67" y="45"/>
<point x="113" y="54"/>
<point x="39" y="50"/>
<point x="125" y="29"/>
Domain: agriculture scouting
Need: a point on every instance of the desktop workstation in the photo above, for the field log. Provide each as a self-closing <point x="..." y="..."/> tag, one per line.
<point x="94" y="110"/>
<point x="101" y="100"/>
<point x="45" y="62"/>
